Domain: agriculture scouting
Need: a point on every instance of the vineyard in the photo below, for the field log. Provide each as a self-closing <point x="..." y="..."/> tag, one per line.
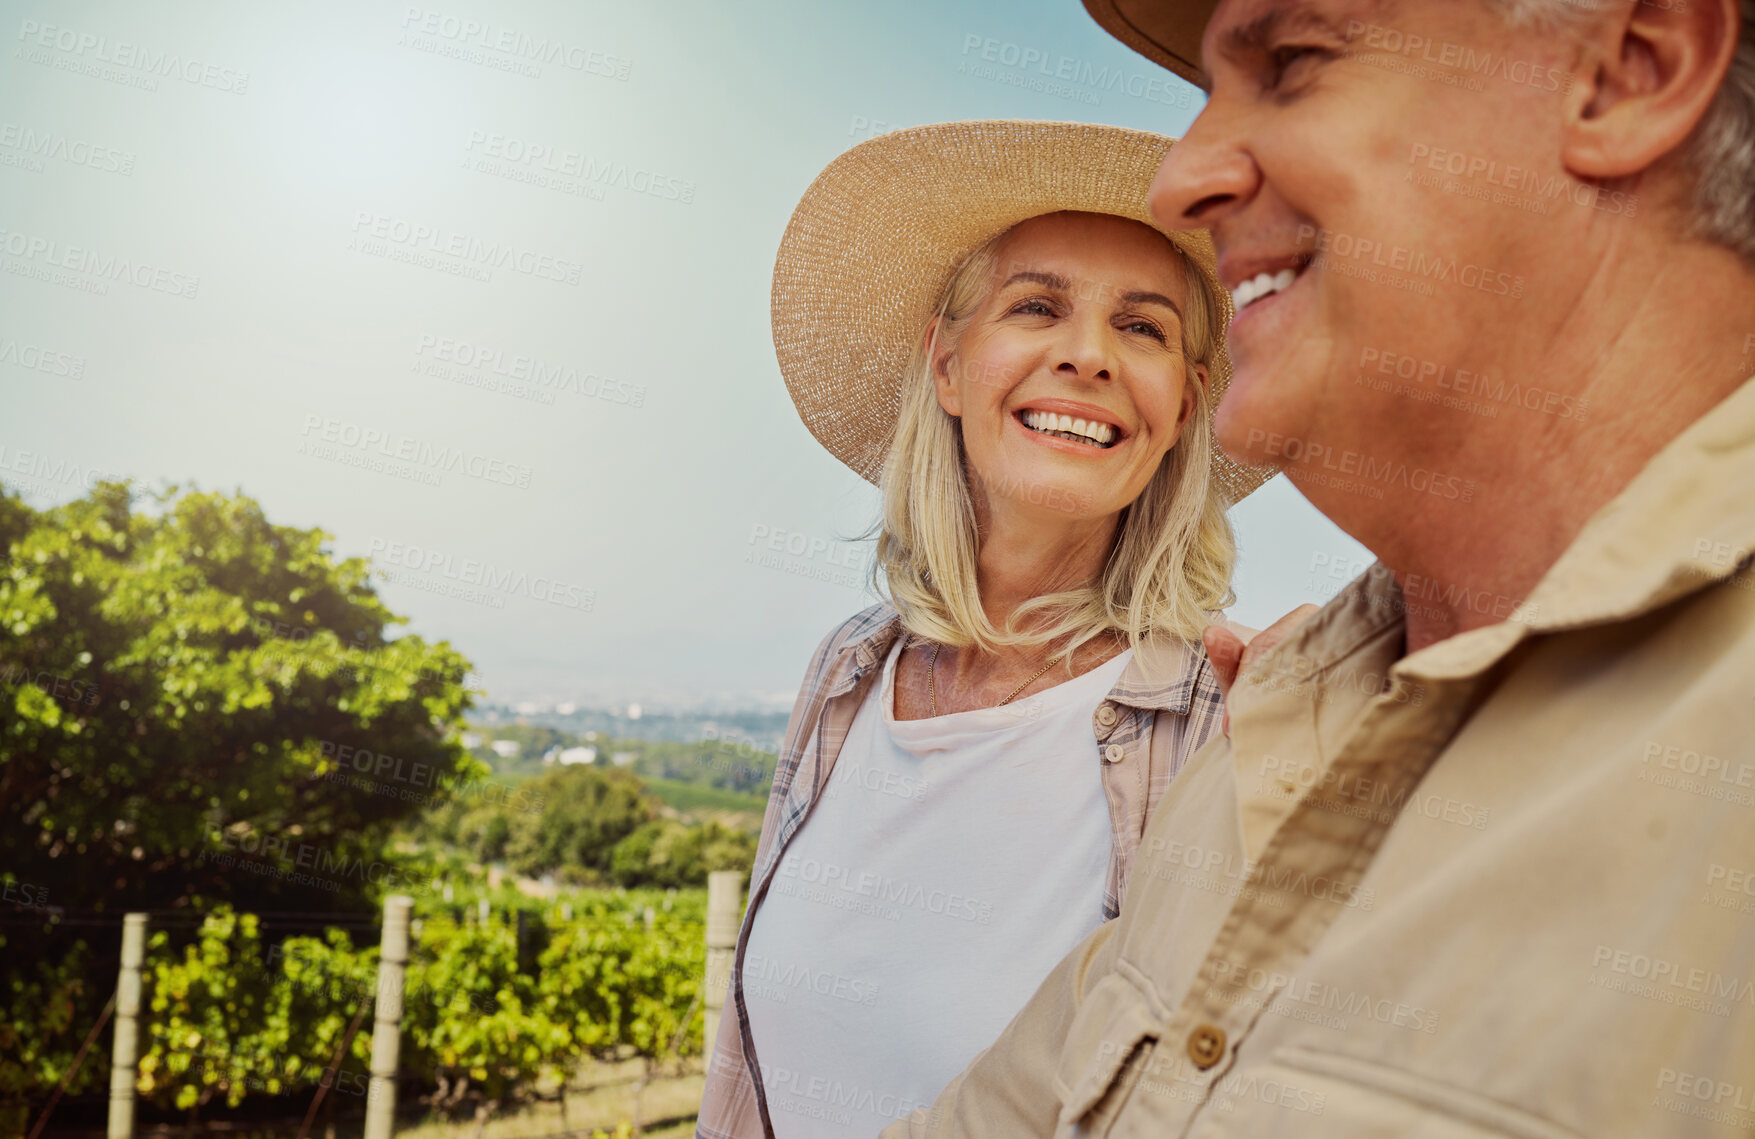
<point x="494" y="1010"/>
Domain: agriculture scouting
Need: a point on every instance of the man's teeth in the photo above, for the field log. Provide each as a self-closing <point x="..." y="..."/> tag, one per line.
<point x="1260" y="286"/>
<point x="1087" y="431"/>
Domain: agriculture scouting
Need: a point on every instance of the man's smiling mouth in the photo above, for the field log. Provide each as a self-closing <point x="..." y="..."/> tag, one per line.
<point x="1262" y="285"/>
<point x="1088" y="432"/>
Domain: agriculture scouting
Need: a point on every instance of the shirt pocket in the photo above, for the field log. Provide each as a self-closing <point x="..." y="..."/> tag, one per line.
<point x="1322" y="1095"/>
<point x="1108" y="1045"/>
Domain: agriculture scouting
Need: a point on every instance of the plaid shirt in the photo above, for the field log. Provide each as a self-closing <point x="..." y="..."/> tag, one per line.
<point x="1165" y="705"/>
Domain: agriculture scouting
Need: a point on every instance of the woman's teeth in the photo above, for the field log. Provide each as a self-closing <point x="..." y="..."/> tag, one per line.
<point x="1066" y="427"/>
<point x="1261" y="285"/>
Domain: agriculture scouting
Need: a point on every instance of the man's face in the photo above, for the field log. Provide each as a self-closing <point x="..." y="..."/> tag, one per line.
<point x="1382" y="181"/>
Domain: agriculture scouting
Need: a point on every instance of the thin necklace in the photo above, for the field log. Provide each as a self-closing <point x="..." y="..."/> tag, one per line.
<point x="932" y="693"/>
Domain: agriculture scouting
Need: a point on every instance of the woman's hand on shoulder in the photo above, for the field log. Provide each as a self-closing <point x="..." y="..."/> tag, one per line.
<point x="1233" y="647"/>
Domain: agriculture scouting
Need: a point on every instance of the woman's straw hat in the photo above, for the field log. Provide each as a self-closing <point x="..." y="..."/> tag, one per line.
<point x="876" y="238"/>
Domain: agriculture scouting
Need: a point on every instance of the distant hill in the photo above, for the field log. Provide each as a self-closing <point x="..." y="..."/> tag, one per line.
<point x="731" y="763"/>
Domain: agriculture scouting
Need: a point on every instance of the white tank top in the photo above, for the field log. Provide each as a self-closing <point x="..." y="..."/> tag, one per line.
<point x="948" y="867"/>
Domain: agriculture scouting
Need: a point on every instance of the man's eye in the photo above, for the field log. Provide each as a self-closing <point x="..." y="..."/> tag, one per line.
<point x="1282" y="59"/>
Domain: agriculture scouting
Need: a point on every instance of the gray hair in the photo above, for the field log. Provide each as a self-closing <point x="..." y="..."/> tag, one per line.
<point x="1722" y="149"/>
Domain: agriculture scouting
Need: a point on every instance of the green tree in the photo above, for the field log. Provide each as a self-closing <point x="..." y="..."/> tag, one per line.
<point x="668" y="855"/>
<point x="584" y="811"/>
<point x="186" y="695"/>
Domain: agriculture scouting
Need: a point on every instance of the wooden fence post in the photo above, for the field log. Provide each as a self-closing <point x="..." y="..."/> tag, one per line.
<point x="724" y="915"/>
<point x="125" y="1052"/>
<point x="387" y="1023"/>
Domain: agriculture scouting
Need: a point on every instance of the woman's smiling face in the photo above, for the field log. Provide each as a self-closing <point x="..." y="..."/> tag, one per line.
<point x="1069" y="377"/>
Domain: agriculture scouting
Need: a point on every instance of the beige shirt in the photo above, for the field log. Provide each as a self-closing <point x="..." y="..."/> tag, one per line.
<point x="1507" y="891"/>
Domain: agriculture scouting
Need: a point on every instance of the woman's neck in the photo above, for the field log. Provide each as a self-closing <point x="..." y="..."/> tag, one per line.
<point x="1024" y="558"/>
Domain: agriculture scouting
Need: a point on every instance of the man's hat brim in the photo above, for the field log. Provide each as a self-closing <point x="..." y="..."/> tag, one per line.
<point x="1167" y="32"/>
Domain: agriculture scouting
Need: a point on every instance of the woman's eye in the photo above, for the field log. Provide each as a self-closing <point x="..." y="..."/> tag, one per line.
<point x="1033" y="307"/>
<point x="1145" y="328"/>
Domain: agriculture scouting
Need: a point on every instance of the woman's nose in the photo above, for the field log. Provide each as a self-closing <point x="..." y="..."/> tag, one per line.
<point x="1085" y="352"/>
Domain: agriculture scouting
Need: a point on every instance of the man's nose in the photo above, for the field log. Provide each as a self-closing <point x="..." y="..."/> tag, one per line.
<point x="1207" y="176"/>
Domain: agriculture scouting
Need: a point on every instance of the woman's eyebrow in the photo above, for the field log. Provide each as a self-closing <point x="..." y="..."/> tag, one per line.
<point x="1052" y="280"/>
<point x="1137" y="298"/>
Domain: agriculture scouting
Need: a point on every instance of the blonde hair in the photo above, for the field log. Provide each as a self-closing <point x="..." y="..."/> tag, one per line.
<point x="1168" y="569"/>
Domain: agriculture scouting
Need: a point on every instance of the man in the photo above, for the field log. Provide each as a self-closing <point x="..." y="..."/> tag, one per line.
<point x="1479" y="855"/>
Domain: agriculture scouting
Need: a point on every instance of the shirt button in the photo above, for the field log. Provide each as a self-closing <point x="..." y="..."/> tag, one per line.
<point x="1106" y="715"/>
<point x="1114" y="752"/>
<point x="1206" y="1045"/>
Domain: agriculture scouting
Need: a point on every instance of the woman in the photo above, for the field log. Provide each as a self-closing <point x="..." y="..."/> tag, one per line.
<point x="982" y="316"/>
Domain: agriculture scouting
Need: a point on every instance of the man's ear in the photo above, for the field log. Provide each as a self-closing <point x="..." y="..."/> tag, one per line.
<point x="1658" y="68"/>
<point x="949" y="397"/>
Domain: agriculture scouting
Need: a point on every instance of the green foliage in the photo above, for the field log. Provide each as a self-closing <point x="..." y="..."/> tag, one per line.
<point x="727" y="765"/>
<point x="227" y="1018"/>
<point x="176" y="682"/>
<point x="667" y="854"/>
<point x="585" y="811"/>
<point x="45" y="1014"/>
<point x="177" y="673"/>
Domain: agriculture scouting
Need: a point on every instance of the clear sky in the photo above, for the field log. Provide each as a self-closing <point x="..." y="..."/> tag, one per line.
<point x="292" y="249"/>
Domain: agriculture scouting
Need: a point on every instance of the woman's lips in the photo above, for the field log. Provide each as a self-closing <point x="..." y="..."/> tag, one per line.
<point x="1065" y="445"/>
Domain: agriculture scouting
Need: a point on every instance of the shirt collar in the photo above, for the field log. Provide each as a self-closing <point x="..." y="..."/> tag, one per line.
<point x="1161" y="677"/>
<point x="1684" y="522"/>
